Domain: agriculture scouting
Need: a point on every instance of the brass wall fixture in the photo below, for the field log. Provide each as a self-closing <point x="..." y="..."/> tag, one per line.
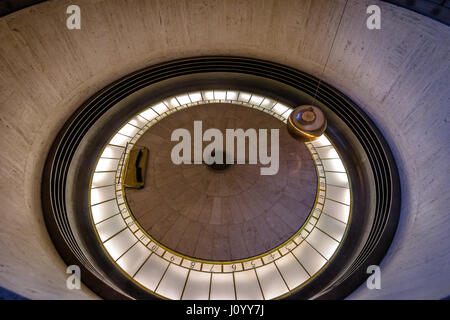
<point x="136" y="167"/>
<point x="306" y="123"/>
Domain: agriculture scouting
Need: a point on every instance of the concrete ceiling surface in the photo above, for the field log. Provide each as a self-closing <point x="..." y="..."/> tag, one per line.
<point x="399" y="75"/>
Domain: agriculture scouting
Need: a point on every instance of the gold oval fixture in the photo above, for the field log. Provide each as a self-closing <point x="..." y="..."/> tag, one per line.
<point x="307" y="123"/>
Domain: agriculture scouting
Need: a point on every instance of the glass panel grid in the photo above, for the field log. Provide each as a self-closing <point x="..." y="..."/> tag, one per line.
<point x="171" y="275"/>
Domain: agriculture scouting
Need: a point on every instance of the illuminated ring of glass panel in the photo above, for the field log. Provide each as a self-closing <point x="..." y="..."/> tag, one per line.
<point x="171" y="275"/>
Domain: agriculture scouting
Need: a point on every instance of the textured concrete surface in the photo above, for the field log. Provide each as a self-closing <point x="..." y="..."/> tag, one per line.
<point x="228" y="214"/>
<point x="399" y="75"/>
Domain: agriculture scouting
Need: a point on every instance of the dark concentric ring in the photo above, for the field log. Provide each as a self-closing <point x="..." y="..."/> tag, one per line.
<point x="353" y="132"/>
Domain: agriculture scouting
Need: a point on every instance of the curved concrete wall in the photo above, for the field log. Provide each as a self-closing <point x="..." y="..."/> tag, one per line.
<point x="399" y="75"/>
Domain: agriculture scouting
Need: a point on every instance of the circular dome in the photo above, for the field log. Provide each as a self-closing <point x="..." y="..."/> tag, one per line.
<point x="227" y="214"/>
<point x="120" y="250"/>
<point x="144" y="258"/>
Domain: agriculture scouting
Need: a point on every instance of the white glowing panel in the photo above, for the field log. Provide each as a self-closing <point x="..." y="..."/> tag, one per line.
<point x="336" y="210"/>
<point x="293" y="273"/>
<point x="195" y="96"/>
<point x="117" y="245"/>
<point x="322" y="243"/>
<point x="134" y="258"/>
<point x="272" y="283"/>
<point x="110" y="227"/>
<point x="232" y="95"/>
<point x="183" y="99"/>
<point x="287" y="113"/>
<point x="197" y="286"/>
<point x="280" y="108"/>
<point x="172" y="103"/>
<point x="208" y="95"/>
<point x="138" y="121"/>
<point x="268" y="103"/>
<point x="222" y="287"/>
<point x="151" y="272"/>
<point x="128" y="130"/>
<point x="247" y="287"/>
<point x="338" y="194"/>
<point x="104" y="210"/>
<point x="310" y="259"/>
<point x="107" y="165"/>
<point x="103" y="179"/>
<point x="243" y="96"/>
<point x="160" y="108"/>
<point x="172" y="283"/>
<point x="102" y="194"/>
<point x="120" y="140"/>
<point x="149" y="114"/>
<point x="321" y="141"/>
<point x="337" y="179"/>
<point x="327" y="153"/>
<point x="256" y="100"/>
<point x="112" y="152"/>
<point x="333" y="165"/>
<point x="220" y="95"/>
<point x="331" y="226"/>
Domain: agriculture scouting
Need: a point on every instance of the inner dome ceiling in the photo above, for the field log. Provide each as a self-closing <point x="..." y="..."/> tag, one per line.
<point x="227" y="214"/>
